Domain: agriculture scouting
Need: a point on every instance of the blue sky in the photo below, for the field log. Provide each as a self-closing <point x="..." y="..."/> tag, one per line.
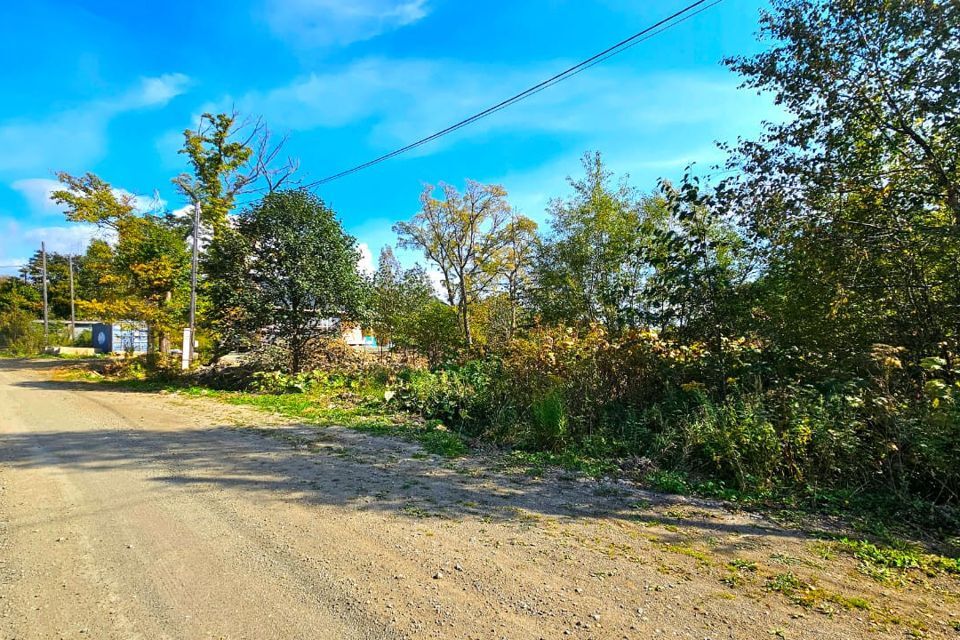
<point x="109" y="86"/>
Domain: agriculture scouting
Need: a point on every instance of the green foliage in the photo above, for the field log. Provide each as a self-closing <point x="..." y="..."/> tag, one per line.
<point x="279" y="382"/>
<point x="434" y="331"/>
<point x="90" y="199"/>
<point x="456" y="396"/>
<point x="16" y="295"/>
<point x="217" y="155"/>
<point x="548" y="422"/>
<point x="786" y="583"/>
<point x="570" y="459"/>
<point x="669" y="481"/>
<point x="885" y="563"/>
<point x="863" y="171"/>
<point x="442" y="442"/>
<point x="735" y="438"/>
<point x="287" y="276"/>
<point x="398" y="298"/>
<point x="587" y="270"/>
<point x="18" y="334"/>
<point x="58" y="282"/>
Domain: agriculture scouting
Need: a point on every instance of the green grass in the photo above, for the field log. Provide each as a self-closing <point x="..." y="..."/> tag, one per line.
<point x="806" y="594"/>
<point x="743" y="565"/>
<point x="536" y="463"/>
<point x="786" y="583"/>
<point x="888" y="563"/>
<point x="358" y="407"/>
<point x="328" y="408"/>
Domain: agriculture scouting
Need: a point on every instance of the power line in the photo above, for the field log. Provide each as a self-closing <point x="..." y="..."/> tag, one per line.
<point x="659" y="27"/>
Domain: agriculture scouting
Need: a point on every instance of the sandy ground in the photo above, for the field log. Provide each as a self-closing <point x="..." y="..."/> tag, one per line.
<point x="131" y="515"/>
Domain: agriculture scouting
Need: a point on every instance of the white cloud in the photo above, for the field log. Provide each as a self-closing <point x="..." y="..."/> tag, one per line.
<point x="74" y="138"/>
<point x="37" y="191"/>
<point x="631" y="115"/>
<point x="392" y="96"/>
<point x="156" y="91"/>
<point x="67" y="239"/>
<point x="11" y="265"/>
<point x="143" y="204"/>
<point x="183" y="212"/>
<point x="365" y="262"/>
<point x="322" y="23"/>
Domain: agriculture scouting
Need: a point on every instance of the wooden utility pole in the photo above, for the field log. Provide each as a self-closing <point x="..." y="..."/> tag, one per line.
<point x="190" y="340"/>
<point x="46" y="315"/>
<point x="73" y="315"/>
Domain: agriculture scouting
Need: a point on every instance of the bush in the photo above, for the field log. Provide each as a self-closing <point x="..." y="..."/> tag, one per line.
<point x="84" y="339"/>
<point x="278" y="382"/>
<point x="224" y="378"/>
<point x="548" y="422"/>
<point x="457" y="396"/>
<point x="733" y="440"/>
<point x="18" y="333"/>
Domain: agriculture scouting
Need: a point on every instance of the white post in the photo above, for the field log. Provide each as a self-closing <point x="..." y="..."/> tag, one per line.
<point x="187" y="349"/>
<point x="46" y="315"/>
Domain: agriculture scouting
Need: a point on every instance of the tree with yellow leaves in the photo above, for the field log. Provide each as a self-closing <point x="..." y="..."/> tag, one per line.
<point x="146" y="275"/>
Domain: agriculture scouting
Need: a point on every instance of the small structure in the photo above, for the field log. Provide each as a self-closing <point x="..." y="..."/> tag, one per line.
<point x="349" y="332"/>
<point x="121" y="337"/>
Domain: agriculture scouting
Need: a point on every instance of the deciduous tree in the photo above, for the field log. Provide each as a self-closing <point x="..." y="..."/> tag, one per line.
<point x="230" y="157"/>
<point x="587" y="269"/>
<point x="462" y="235"/>
<point x="287" y="275"/>
<point x="145" y="276"/>
<point x="397" y="297"/>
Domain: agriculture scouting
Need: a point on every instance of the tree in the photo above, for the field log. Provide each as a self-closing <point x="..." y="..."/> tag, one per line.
<point x="397" y="297"/>
<point x="856" y="194"/>
<point x="18" y="333"/>
<point x="434" y="331"/>
<point x="146" y="275"/>
<point x="58" y="281"/>
<point x="232" y="303"/>
<point x="700" y="268"/>
<point x="95" y="276"/>
<point x="17" y="295"/>
<point x="587" y="271"/>
<point x="463" y="235"/>
<point x="287" y="275"/>
<point x="90" y="199"/>
<point x="519" y="252"/>
<point x="230" y="157"/>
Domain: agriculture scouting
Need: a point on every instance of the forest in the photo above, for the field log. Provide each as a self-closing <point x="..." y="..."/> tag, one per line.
<point x="783" y="326"/>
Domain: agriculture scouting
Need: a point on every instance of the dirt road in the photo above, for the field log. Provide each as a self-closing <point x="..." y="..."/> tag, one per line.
<point x="131" y="515"/>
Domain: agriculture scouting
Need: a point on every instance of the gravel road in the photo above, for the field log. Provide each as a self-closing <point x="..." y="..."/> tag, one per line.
<point x="133" y="515"/>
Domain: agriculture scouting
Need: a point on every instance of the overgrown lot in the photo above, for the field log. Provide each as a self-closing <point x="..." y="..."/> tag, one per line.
<point x="798" y="466"/>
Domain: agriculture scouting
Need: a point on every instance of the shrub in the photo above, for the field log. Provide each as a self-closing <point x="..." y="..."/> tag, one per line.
<point x="278" y="382"/>
<point x="457" y="396"/>
<point x="18" y="334"/>
<point x="548" y="422"/>
<point x="734" y="440"/>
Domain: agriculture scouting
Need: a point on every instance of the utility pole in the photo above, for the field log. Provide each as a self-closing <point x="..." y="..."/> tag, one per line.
<point x="73" y="314"/>
<point x="46" y="316"/>
<point x="190" y="340"/>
